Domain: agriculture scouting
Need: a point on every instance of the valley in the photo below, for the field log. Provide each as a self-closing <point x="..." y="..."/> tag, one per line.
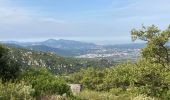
<point x="77" y="49"/>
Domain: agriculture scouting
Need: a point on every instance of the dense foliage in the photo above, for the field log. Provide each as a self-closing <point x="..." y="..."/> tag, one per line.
<point x="9" y="68"/>
<point x="45" y="83"/>
<point x="131" y="78"/>
<point x="34" y="84"/>
<point x="156" y="49"/>
<point x="16" y="91"/>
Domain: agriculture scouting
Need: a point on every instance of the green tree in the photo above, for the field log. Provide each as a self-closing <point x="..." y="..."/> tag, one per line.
<point x="89" y="78"/>
<point x="156" y="49"/>
<point x="9" y="68"/>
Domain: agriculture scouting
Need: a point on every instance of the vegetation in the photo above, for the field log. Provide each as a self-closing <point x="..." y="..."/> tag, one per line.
<point x="54" y="63"/>
<point x="148" y="76"/>
<point x="9" y="68"/>
<point x="45" y="83"/>
<point x="16" y="91"/>
<point x="93" y="95"/>
<point x="132" y="79"/>
<point x="156" y="49"/>
<point x="146" y="79"/>
<point x="30" y="83"/>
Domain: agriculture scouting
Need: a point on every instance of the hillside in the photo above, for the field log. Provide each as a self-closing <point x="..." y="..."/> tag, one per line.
<point x="53" y="62"/>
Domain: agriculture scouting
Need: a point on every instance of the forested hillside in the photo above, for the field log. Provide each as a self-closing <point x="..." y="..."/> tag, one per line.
<point x="56" y="64"/>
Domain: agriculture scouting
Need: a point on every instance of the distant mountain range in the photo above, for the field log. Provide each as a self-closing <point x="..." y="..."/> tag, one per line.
<point x="65" y="44"/>
<point x="69" y="47"/>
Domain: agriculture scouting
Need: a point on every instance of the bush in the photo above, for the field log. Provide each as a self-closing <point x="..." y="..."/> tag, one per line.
<point x="53" y="97"/>
<point x="143" y="97"/>
<point x="16" y="91"/>
<point x="45" y="83"/>
<point x="90" y="78"/>
<point x="93" y="95"/>
<point x="116" y="91"/>
<point x="137" y="78"/>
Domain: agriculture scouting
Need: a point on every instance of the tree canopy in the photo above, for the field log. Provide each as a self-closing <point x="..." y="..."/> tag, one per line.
<point x="156" y="49"/>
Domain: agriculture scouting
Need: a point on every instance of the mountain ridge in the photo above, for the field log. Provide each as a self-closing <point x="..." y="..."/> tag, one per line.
<point x="70" y="47"/>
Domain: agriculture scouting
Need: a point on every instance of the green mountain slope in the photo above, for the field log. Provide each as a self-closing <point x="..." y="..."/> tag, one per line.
<point x="53" y="62"/>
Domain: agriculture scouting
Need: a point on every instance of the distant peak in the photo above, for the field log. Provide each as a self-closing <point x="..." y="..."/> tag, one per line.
<point x="51" y="40"/>
<point x="61" y="39"/>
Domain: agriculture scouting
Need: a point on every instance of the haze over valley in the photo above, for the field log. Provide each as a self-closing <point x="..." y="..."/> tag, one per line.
<point x="77" y="49"/>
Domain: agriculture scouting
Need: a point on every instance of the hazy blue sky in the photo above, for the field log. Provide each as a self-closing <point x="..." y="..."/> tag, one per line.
<point x="104" y="21"/>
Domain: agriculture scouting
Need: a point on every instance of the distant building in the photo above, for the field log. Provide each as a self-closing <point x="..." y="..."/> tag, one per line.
<point x="75" y="88"/>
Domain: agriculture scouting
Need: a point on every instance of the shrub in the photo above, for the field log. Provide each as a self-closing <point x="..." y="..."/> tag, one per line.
<point x="16" y="91"/>
<point x="116" y="91"/>
<point x="143" y="97"/>
<point x="141" y="77"/>
<point x="45" y="83"/>
<point x="93" y="95"/>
